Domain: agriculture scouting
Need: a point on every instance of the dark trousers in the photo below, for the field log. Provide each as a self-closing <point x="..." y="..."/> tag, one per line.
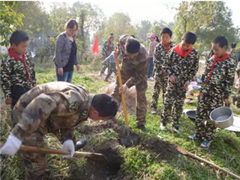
<point x="17" y="92"/>
<point x="150" y="67"/>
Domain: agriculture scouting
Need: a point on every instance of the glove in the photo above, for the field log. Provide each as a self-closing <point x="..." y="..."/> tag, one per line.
<point x="68" y="145"/>
<point x="11" y="146"/>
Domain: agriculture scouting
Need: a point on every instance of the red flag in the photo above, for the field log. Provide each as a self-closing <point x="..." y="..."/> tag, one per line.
<point x="95" y="46"/>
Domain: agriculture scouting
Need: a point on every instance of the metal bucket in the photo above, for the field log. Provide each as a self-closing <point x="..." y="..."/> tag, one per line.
<point x="222" y="116"/>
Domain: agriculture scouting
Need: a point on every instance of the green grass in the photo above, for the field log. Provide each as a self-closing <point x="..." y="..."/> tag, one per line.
<point x="139" y="164"/>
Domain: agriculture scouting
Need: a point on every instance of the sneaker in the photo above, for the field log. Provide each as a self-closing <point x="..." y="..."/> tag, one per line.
<point x="205" y="144"/>
<point x="176" y="130"/>
<point x="142" y="127"/>
<point x="154" y="112"/>
<point x="80" y="144"/>
<point x="163" y="126"/>
<point x="192" y="137"/>
<point x="100" y="74"/>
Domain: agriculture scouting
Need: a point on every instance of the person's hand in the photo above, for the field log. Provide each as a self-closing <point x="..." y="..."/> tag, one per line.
<point x="227" y="102"/>
<point x="9" y="101"/>
<point x="78" y="67"/>
<point x="164" y="72"/>
<point x="60" y="71"/>
<point x="172" y="79"/>
<point x="11" y="146"/>
<point x="102" y="63"/>
<point x="68" y="145"/>
<point x="123" y="89"/>
<point x="186" y="85"/>
<point x="116" y="53"/>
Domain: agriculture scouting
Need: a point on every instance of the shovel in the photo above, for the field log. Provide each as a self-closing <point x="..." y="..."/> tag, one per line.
<point x="91" y="156"/>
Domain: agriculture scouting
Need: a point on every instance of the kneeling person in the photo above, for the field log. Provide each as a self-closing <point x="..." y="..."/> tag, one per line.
<point x="55" y="107"/>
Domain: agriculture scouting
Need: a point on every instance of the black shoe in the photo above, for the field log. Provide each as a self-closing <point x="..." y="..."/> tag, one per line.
<point x="80" y="144"/>
<point x="142" y="127"/>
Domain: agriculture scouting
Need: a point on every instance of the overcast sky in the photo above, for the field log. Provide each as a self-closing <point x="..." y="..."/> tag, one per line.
<point x="148" y="9"/>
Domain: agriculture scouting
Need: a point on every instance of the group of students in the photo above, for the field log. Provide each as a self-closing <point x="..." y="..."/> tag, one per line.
<point x="175" y="66"/>
<point x="57" y="107"/>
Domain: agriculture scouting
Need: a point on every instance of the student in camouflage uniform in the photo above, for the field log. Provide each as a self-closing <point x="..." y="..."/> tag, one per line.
<point x="55" y="107"/>
<point x="161" y="78"/>
<point x="181" y="67"/>
<point x="134" y="72"/>
<point x="217" y="81"/>
<point x="233" y="53"/>
<point x="17" y="69"/>
<point x="107" y="49"/>
<point x="111" y="62"/>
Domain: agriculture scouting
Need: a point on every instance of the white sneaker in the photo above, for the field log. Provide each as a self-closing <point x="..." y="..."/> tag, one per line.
<point x="100" y="74"/>
<point x="175" y="130"/>
<point x="162" y="127"/>
<point x="206" y="144"/>
<point x="154" y="112"/>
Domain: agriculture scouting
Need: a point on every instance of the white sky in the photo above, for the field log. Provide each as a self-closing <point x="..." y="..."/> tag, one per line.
<point x="148" y="10"/>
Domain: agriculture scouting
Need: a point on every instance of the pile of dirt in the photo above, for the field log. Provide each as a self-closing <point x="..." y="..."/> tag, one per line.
<point x="130" y="95"/>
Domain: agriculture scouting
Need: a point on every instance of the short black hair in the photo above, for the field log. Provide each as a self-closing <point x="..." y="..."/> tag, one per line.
<point x="105" y="105"/>
<point x="166" y="31"/>
<point x="132" y="45"/>
<point x="221" y="40"/>
<point x="71" y="23"/>
<point x="189" y="37"/>
<point x="18" y="36"/>
<point x="233" y="45"/>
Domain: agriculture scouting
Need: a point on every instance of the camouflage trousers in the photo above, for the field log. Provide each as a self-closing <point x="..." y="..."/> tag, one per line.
<point x="208" y="101"/>
<point x="103" y="68"/>
<point x="111" y="69"/>
<point x="173" y="104"/>
<point x="238" y="101"/>
<point x="141" y="108"/>
<point x="35" y="163"/>
<point x="160" y="83"/>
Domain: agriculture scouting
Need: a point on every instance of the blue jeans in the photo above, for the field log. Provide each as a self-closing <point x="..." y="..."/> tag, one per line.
<point x="67" y="77"/>
<point x="150" y="67"/>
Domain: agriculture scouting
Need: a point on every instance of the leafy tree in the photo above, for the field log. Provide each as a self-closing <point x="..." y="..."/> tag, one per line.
<point x="207" y="19"/>
<point x="143" y="29"/>
<point x="9" y="20"/>
<point x="119" y="24"/>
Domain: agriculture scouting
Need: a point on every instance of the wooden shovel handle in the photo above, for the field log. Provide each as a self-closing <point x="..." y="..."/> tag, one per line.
<point x="122" y="94"/>
<point x="31" y="149"/>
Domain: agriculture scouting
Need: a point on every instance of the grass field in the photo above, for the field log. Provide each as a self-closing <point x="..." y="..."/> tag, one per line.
<point x="154" y="156"/>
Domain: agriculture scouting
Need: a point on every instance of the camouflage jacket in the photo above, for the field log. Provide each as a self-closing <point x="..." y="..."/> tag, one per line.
<point x="160" y="54"/>
<point x="222" y="77"/>
<point x="136" y="68"/>
<point x="55" y="107"/>
<point x="105" y="51"/>
<point x="183" y="68"/>
<point x="13" y="73"/>
<point x="234" y="56"/>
